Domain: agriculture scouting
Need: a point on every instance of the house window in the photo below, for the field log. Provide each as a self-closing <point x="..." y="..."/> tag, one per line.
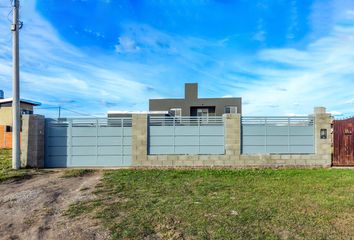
<point x="230" y="109"/>
<point x="177" y="112"/>
<point x="202" y="112"/>
<point x="8" y="129"/>
<point x="26" y="112"/>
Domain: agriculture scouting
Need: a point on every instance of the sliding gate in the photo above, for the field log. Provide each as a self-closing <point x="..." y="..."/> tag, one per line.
<point x="87" y="142"/>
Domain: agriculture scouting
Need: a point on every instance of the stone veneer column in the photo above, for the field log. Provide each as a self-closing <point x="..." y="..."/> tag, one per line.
<point x="232" y="134"/>
<point x="323" y="147"/>
<point x="139" y="139"/>
<point x="32" y="141"/>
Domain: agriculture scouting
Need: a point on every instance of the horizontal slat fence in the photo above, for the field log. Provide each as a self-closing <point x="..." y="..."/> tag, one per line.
<point x="186" y="135"/>
<point x="278" y="135"/>
<point x="86" y="142"/>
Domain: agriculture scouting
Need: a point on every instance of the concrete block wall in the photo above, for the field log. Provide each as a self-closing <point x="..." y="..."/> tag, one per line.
<point x="139" y="139"/>
<point x="233" y="156"/>
<point x="32" y="141"/>
<point x="323" y="120"/>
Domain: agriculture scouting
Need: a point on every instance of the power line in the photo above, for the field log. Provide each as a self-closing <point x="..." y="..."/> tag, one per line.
<point x="60" y="108"/>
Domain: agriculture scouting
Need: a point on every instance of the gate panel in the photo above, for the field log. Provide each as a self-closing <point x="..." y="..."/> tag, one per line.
<point x="343" y="139"/>
<point x="186" y="135"/>
<point x="278" y="135"/>
<point x="88" y="142"/>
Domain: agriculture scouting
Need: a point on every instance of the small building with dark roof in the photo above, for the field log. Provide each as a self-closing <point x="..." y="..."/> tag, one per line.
<point x="26" y="107"/>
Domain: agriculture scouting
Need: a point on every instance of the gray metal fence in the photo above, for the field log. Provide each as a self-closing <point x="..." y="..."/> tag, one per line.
<point x="186" y="135"/>
<point x="87" y="142"/>
<point x="282" y="135"/>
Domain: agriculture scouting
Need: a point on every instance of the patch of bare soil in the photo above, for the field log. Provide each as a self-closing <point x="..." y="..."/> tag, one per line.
<point x="35" y="208"/>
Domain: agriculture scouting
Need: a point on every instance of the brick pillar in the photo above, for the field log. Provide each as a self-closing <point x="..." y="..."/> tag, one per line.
<point x="32" y="141"/>
<point x="139" y="139"/>
<point x="323" y="146"/>
<point x="232" y="134"/>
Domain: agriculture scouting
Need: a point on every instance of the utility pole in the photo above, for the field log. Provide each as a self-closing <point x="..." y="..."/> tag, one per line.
<point x="16" y="121"/>
<point x="59" y="112"/>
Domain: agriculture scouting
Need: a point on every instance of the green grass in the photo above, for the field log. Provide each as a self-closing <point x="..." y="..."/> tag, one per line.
<point x="77" y="173"/>
<point x="225" y="204"/>
<point x="6" y="171"/>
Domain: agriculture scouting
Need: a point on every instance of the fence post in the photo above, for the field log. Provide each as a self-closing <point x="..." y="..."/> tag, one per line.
<point x="323" y="147"/>
<point x="32" y="141"/>
<point x="232" y="124"/>
<point x="139" y="139"/>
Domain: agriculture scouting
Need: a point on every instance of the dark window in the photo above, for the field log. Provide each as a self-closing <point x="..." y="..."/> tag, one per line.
<point x="27" y="112"/>
<point x="8" y="129"/>
<point x="202" y="111"/>
<point x="230" y="109"/>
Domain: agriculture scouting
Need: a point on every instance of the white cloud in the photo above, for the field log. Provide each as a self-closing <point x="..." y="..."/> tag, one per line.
<point x="351" y="101"/>
<point x="322" y="74"/>
<point x="126" y="45"/>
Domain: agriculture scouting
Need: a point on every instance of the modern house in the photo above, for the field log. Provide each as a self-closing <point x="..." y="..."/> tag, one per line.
<point x="191" y="105"/>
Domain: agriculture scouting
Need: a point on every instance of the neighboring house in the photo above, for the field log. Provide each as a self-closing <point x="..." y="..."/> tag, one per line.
<point x="191" y="105"/>
<point x="26" y="107"/>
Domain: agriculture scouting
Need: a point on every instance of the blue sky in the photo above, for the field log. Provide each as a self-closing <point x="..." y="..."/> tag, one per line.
<point x="283" y="57"/>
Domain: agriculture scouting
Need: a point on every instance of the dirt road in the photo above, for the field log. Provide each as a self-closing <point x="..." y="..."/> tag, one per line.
<point x="34" y="208"/>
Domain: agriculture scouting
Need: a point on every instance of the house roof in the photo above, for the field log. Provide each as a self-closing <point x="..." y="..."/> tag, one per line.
<point x="9" y="100"/>
<point x="138" y="112"/>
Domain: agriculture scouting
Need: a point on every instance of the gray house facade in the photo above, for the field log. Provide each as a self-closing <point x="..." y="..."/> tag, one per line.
<point x="191" y="105"/>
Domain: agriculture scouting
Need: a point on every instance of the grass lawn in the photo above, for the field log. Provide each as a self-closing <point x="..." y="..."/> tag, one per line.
<point x="224" y="204"/>
<point x="6" y="171"/>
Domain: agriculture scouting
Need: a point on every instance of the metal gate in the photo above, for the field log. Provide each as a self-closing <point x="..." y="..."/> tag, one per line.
<point x="278" y="135"/>
<point x="84" y="142"/>
<point x="343" y="141"/>
<point x="186" y="135"/>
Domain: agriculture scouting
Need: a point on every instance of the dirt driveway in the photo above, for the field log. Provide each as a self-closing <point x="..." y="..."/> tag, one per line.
<point x="34" y="208"/>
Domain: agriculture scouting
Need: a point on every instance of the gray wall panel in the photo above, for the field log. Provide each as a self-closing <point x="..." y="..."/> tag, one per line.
<point x="186" y="130"/>
<point x="110" y="131"/>
<point x="84" y="131"/>
<point x="58" y="151"/>
<point x="285" y="135"/>
<point x="83" y="141"/>
<point x="277" y="130"/>
<point x="186" y="139"/>
<point x="277" y="140"/>
<point x="159" y="131"/>
<point x="107" y="141"/>
<point x="253" y="140"/>
<point x="212" y="141"/>
<point x="57" y="141"/>
<point x="83" y="151"/>
<point x="161" y="141"/>
<point x="57" y="131"/>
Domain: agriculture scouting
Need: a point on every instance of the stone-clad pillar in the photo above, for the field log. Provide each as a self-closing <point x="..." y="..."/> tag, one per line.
<point x="232" y="134"/>
<point x="323" y="146"/>
<point x="32" y="141"/>
<point x="139" y="139"/>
